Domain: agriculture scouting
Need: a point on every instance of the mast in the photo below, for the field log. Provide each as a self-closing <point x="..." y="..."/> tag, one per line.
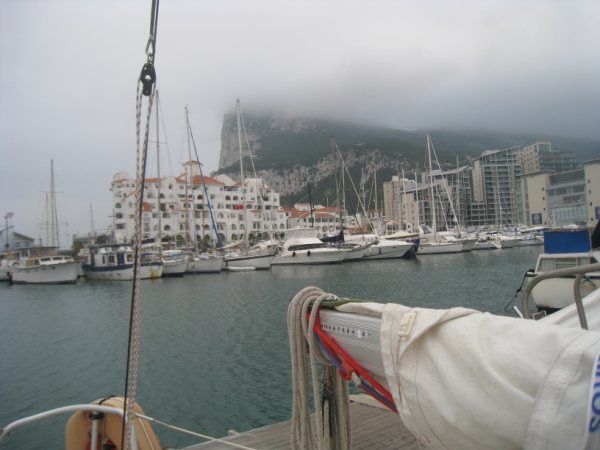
<point x="189" y="180"/>
<point x="418" y="205"/>
<point x="243" y="187"/>
<point x="53" y="212"/>
<point x="93" y="228"/>
<point x="433" y="218"/>
<point x="338" y="183"/>
<point x="159" y="212"/>
<point x="310" y="207"/>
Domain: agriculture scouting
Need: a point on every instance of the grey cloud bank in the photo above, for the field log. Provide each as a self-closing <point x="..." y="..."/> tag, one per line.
<point x="67" y="81"/>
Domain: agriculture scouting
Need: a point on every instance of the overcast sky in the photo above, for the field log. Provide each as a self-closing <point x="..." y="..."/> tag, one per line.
<point x="69" y="69"/>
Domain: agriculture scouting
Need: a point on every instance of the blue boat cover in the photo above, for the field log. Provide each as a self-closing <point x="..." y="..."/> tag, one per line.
<point x="567" y="241"/>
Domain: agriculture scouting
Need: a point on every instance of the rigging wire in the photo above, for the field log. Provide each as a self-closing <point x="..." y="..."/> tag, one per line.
<point x="145" y="88"/>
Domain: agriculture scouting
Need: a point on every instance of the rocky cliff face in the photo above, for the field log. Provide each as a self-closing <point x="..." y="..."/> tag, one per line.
<point x="290" y="153"/>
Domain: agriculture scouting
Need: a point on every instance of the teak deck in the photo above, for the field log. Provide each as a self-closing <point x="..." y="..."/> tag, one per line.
<point x="372" y="428"/>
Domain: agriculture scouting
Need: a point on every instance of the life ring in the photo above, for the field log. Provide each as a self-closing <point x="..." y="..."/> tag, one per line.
<point x="79" y="426"/>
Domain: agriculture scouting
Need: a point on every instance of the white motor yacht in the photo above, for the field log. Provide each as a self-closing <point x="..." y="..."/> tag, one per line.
<point x="46" y="270"/>
<point x="302" y="246"/>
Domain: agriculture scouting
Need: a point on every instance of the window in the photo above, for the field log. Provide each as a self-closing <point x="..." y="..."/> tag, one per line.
<point x="117" y="205"/>
<point x="129" y="258"/>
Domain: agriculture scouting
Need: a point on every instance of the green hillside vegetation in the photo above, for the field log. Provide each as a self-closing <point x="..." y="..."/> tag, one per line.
<point x="282" y="144"/>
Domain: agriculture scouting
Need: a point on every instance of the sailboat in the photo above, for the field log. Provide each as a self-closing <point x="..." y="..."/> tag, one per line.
<point x="256" y="257"/>
<point x="436" y="243"/>
<point x="198" y="261"/>
<point x="51" y="268"/>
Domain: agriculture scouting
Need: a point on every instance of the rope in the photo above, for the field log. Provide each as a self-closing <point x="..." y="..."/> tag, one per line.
<point x="135" y="312"/>
<point x="145" y="87"/>
<point x="333" y="433"/>
<point x="191" y="433"/>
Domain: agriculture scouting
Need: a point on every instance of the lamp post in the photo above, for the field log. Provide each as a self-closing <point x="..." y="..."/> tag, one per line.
<point x="7" y="216"/>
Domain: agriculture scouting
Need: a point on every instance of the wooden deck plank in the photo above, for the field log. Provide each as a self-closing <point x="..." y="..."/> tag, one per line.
<point x="372" y="428"/>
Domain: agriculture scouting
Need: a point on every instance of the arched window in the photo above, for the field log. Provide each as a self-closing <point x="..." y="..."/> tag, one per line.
<point x="199" y="197"/>
<point x="235" y="197"/>
<point x="167" y="228"/>
<point x="162" y="195"/>
<point x="227" y="197"/>
<point x="234" y="237"/>
<point x="233" y="227"/>
<point x="242" y="227"/>
<point x="206" y="227"/>
<point x="117" y="205"/>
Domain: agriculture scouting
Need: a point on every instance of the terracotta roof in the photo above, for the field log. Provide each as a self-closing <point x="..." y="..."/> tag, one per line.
<point x="197" y="180"/>
<point x="152" y="180"/>
<point x="118" y="181"/>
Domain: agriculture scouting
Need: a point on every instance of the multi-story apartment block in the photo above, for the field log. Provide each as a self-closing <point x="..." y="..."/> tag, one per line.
<point x="567" y="198"/>
<point x="591" y="171"/>
<point x="494" y="186"/>
<point x="324" y="219"/>
<point x="180" y="207"/>
<point x="541" y="157"/>
<point x="409" y="203"/>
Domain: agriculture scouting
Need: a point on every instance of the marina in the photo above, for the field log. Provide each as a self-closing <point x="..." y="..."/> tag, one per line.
<point x="335" y="280"/>
<point x="215" y="353"/>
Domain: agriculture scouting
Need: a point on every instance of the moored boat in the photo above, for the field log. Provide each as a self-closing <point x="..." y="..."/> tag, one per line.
<point x="204" y="263"/>
<point x="111" y="262"/>
<point x="56" y="269"/>
<point x="175" y="262"/>
<point x="302" y="246"/>
<point x="563" y="249"/>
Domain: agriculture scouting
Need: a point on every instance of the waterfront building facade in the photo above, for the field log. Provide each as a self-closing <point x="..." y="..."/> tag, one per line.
<point x="180" y="206"/>
<point x="541" y="157"/>
<point x="324" y="218"/>
<point x="494" y="180"/>
<point x="559" y="199"/>
<point x="408" y="203"/>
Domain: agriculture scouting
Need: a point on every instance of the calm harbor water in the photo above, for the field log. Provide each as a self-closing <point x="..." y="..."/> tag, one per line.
<point x="214" y="349"/>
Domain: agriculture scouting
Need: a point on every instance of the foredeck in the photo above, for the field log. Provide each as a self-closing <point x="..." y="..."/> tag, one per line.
<point x="372" y="428"/>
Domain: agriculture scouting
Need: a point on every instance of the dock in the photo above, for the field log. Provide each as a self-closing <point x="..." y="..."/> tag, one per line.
<point x="372" y="428"/>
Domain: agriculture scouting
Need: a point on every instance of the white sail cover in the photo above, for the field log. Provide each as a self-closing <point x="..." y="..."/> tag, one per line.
<point x="462" y="379"/>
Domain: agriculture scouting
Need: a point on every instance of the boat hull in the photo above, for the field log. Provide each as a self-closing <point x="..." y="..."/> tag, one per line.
<point x="487" y="245"/>
<point x="389" y="250"/>
<point x="557" y="293"/>
<point x="114" y="273"/>
<point x="259" y="262"/>
<point x="51" y="274"/>
<point x="508" y="243"/>
<point x="437" y="248"/>
<point x="308" y="257"/>
<point x="357" y="253"/>
<point x="209" y="265"/>
<point x="151" y="271"/>
<point x="175" y="268"/>
<point x="527" y="242"/>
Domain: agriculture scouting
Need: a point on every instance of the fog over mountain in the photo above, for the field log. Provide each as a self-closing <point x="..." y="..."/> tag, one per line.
<point x="67" y="82"/>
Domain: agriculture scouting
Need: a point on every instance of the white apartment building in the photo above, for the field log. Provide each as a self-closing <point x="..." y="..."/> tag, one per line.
<point x="180" y="207"/>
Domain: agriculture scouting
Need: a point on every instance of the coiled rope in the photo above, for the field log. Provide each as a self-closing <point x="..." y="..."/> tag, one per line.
<point x="333" y="433"/>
